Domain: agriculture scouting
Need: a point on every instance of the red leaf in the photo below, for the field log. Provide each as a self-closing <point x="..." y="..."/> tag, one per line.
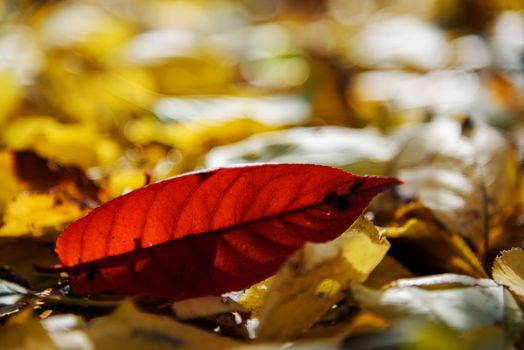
<point x="213" y="231"/>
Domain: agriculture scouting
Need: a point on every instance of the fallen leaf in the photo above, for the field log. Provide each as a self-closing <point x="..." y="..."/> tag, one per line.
<point x="357" y="322"/>
<point x="488" y="338"/>
<point x="22" y="331"/>
<point x="427" y="245"/>
<point x="11" y="93"/>
<point x="9" y="185"/>
<point x="254" y="296"/>
<point x="11" y="295"/>
<point x="358" y="151"/>
<point x="18" y="255"/>
<point x="41" y="174"/>
<point x="314" y="278"/>
<point x="121" y="181"/>
<point x="233" y="225"/>
<point x="508" y="270"/>
<point x="67" y="331"/>
<point x="192" y="138"/>
<point x="190" y="309"/>
<point x="273" y="110"/>
<point x="465" y="173"/>
<point x="471" y="303"/>
<point x="387" y="271"/>
<point x="411" y="333"/>
<point x="38" y="213"/>
<point x="79" y="144"/>
<point x="133" y="329"/>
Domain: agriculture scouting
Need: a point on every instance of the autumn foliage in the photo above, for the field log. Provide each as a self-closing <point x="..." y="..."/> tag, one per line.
<point x="238" y="174"/>
<point x="211" y="232"/>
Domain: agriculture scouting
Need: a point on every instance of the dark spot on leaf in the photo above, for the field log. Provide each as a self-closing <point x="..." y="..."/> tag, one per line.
<point x="330" y="198"/>
<point x="354" y="187"/>
<point x="205" y="175"/>
<point x="91" y="274"/>
<point x="335" y="201"/>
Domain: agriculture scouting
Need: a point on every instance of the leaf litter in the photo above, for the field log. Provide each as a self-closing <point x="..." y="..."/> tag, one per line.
<point x="100" y="99"/>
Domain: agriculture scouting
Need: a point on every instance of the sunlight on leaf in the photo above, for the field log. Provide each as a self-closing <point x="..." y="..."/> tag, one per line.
<point x="10" y="96"/>
<point x="253" y="297"/>
<point x="124" y="180"/>
<point x="73" y="144"/>
<point x="466" y="174"/>
<point x="316" y="276"/>
<point x="22" y="331"/>
<point x="360" y="151"/>
<point x="462" y="308"/>
<point x="412" y="333"/>
<point x="37" y="214"/>
<point x="9" y="185"/>
<point x="508" y="269"/>
<point x="427" y="244"/>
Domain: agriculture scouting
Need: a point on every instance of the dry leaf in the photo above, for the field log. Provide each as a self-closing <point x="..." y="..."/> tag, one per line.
<point x="466" y="174"/>
<point x="9" y="185"/>
<point x="19" y="254"/>
<point x="314" y="278"/>
<point x="73" y="144"/>
<point x="362" y="151"/>
<point x="387" y="271"/>
<point x="426" y="244"/>
<point x="508" y="269"/>
<point x="206" y="306"/>
<point x="133" y="329"/>
<point x="38" y="213"/>
<point x="253" y="297"/>
<point x="22" y="331"/>
<point x="471" y="303"/>
<point x="412" y="333"/>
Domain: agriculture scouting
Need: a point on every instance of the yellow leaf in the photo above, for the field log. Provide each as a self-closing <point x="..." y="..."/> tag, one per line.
<point x="74" y="144"/>
<point x="124" y="180"/>
<point x="82" y="27"/>
<point x="314" y="278"/>
<point x="427" y="244"/>
<point x="508" y="269"/>
<point x="9" y="185"/>
<point x="387" y="271"/>
<point x="193" y="138"/>
<point x="37" y="214"/>
<point x="106" y="97"/>
<point x="130" y="328"/>
<point x="10" y="95"/>
<point x="22" y="331"/>
<point x="253" y="297"/>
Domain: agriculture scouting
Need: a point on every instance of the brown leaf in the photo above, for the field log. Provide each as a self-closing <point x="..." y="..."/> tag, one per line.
<point x="426" y="245"/>
<point x="314" y="278"/>
<point x="465" y="173"/>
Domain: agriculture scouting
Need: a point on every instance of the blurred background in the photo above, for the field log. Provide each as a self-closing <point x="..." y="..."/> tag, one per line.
<point x="132" y="91"/>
